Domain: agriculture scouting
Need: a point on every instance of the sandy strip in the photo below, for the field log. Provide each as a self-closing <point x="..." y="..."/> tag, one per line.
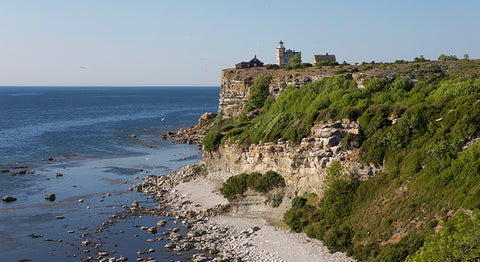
<point x="269" y="243"/>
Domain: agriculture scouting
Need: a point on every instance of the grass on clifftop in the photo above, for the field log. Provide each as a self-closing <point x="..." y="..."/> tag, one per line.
<point x="424" y="132"/>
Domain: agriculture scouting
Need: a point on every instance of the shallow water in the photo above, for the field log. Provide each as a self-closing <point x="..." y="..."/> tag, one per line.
<point x="96" y="156"/>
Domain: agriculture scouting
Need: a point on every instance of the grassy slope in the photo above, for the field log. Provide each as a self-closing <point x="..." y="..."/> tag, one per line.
<point x="429" y="175"/>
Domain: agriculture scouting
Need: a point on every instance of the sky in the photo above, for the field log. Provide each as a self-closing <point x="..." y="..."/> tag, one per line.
<point x="188" y="43"/>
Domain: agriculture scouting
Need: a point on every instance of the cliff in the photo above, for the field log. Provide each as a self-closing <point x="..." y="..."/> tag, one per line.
<point x="411" y="141"/>
<point x="236" y="83"/>
<point x="303" y="166"/>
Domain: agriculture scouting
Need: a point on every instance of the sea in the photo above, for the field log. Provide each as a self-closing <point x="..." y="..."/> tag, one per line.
<point x="88" y="146"/>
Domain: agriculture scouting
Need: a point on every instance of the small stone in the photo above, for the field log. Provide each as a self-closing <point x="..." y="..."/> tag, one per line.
<point x="169" y="245"/>
<point x="59" y="217"/>
<point x="152" y="230"/>
<point x="161" y="223"/>
<point x="8" y="198"/>
<point x="58" y="174"/>
<point x="50" y="197"/>
<point x="133" y="136"/>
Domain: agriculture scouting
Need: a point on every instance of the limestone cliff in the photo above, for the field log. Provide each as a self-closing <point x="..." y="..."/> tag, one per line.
<point x="236" y="83"/>
<point x="303" y="166"/>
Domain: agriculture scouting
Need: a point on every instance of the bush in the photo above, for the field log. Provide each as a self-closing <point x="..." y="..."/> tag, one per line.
<point x="268" y="181"/>
<point x="276" y="199"/>
<point x="253" y="178"/>
<point x="211" y="140"/>
<point x="272" y="66"/>
<point x="259" y="91"/>
<point x="235" y="185"/>
<point x="458" y="240"/>
<point x="298" y="202"/>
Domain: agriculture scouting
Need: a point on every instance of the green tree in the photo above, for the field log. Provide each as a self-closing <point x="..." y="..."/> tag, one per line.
<point x="259" y="91"/>
<point x="296" y="59"/>
<point x="466" y="57"/>
<point x="443" y="57"/>
<point x="419" y="59"/>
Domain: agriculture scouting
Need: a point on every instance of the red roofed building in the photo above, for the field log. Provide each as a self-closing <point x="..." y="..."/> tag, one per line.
<point x="255" y="62"/>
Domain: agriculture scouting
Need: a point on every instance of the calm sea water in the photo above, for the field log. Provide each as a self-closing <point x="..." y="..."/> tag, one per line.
<point x="54" y="122"/>
<point x="87" y="131"/>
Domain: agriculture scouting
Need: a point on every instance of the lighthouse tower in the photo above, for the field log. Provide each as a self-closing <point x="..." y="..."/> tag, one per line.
<point x="280" y="53"/>
<point x="283" y="56"/>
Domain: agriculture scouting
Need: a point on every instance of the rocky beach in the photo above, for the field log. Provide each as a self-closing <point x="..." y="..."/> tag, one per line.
<point x="214" y="232"/>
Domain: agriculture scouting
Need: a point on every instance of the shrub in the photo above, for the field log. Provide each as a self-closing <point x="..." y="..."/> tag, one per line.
<point x="268" y="181"/>
<point x="259" y="91"/>
<point x="272" y="66"/>
<point x="338" y="238"/>
<point x="234" y="186"/>
<point x="298" y="202"/>
<point x="237" y="185"/>
<point x="253" y="178"/>
<point x="276" y="199"/>
<point x="211" y="140"/>
<point x="458" y="240"/>
<point x="443" y="57"/>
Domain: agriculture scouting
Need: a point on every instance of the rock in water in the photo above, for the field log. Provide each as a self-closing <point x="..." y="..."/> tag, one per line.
<point x="8" y="198"/>
<point x="50" y="197"/>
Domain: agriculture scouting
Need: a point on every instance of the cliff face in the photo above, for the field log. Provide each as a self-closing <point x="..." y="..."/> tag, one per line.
<point x="303" y="166"/>
<point x="236" y="83"/>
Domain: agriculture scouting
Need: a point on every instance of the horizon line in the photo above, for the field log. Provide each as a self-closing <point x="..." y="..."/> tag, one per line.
<point x="109" y="86"/>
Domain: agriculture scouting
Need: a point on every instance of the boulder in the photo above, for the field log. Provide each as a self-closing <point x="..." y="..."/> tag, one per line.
<point x="50" y="197"/>
<point x="152" y="230"/>
<point x="8" y="198"/>
<point x="206" y="117"/>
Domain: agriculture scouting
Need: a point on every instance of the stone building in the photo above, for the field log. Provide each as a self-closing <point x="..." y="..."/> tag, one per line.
<point x="283" y="56"/>
<point x="326" y="57"/>
<point x="255" y="62"/>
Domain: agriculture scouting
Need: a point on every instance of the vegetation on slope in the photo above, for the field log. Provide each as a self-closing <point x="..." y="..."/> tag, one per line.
<point x="423" y="131"/>
<point x="235" y="186"/>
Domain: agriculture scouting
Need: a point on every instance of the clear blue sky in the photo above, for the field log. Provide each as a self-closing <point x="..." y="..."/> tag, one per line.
<point x="153" y="42"/>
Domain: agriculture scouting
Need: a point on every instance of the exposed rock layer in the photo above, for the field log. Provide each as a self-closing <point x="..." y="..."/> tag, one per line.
<point x="304" y="166"/>
<point x="236" y="84"/>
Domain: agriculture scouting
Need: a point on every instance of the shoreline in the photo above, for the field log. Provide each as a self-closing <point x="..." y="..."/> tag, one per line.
<point x="218" y="235"/>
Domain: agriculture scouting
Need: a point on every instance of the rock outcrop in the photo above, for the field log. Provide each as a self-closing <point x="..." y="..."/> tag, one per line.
<point x="303" y="166"/>
<point x="236" y="84"/>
